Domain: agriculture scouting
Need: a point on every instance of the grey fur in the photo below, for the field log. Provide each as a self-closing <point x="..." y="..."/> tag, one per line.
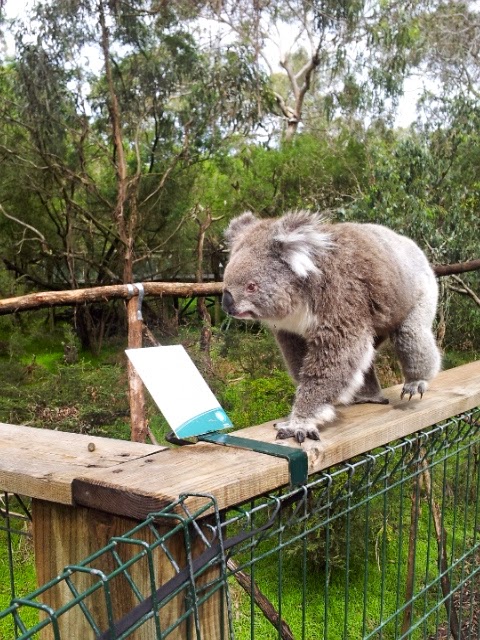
<point x="331" y="293"/>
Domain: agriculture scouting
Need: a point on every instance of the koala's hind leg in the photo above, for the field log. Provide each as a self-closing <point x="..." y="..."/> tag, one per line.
<point x="417" y="350"/>
<point x="371" y="391"/>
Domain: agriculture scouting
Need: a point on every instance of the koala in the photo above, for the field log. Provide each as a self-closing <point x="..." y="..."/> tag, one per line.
<point x="331" y="294"/>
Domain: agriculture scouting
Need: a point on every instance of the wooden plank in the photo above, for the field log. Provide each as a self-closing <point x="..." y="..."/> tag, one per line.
<point x="41" y="463"/>
<point x="231" y="475"/>
<point x="80" y="532"/>
<point x="234" y="475"/>
<point x="360" y="428"/>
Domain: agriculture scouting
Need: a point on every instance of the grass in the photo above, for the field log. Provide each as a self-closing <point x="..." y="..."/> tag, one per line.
<point x="22" y="563"/>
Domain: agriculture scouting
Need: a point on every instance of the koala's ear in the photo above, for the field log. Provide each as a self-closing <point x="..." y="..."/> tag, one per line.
<point x="238" y="225"/>
<point x="301" y="238"/>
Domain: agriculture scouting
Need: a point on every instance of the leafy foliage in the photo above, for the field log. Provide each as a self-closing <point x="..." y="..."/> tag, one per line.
<point x="160" y="99"/>
<point x="189" y="112"/>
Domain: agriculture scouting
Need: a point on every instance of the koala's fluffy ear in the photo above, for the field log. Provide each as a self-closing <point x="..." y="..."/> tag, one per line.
<point x="301" y="238"/>
<point x="237" y="226"/>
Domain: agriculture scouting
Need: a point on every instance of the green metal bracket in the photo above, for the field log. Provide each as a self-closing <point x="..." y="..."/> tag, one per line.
<point x="297" y="458"/>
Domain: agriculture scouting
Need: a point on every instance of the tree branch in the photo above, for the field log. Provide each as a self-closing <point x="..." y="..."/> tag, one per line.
<point x="24" y="224"/>
<point x="262" y="602"/>
<point x="465" y="290"/>
<point x="101" y="294"/>
<point x="459" y="267"/>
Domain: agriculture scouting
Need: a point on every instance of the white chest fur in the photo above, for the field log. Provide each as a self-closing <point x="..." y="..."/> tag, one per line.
<point x="299" y="321"/>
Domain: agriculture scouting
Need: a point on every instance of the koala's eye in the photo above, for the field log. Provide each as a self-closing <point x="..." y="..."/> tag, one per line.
<point x="251" y="287"/>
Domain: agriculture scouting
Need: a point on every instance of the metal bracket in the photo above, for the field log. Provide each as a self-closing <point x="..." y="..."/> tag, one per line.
<point x="141" y="293"/>
<point x="297" y="458"/>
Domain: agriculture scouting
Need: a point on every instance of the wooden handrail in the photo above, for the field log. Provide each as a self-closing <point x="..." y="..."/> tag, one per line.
<point x="102" y="294"/>
<point x="132" y="480"/>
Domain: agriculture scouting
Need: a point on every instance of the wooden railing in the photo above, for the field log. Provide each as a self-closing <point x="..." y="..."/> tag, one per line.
<point x="87" y="489"/>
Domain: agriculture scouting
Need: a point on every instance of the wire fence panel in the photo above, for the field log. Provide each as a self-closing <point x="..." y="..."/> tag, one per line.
<point x="384" y="546"/>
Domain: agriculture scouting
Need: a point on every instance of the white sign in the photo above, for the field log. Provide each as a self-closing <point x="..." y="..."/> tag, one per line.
<point x="179" y="390"/>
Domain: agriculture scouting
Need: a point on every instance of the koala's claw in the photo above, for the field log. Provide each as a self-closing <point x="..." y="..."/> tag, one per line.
<point x="411" y="388"/>
<point x="299" y="433"/>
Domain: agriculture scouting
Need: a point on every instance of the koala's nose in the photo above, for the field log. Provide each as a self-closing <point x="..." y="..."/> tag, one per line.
<point x="228" y="303"/>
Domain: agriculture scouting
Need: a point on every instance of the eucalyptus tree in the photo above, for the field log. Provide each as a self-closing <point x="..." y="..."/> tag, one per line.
<point x="450" y="46"/>
<point x="425" y="184"/>
<point x="104" y="108"/>
<point x="351" y="57"/>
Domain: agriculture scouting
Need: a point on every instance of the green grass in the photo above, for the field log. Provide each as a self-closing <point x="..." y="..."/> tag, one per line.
<point x="326" y="603"/>
<point x="24" y="577"/>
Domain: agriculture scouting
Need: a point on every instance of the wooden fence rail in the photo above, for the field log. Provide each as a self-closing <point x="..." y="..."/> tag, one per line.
<point x="176" y="289"/>
<point x="87" y="489"/>
<point x="103" y="294"/>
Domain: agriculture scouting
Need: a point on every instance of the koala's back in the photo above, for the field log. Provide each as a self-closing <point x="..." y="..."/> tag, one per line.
<point x="382" y="275"/>
<point x="401" y="252"/>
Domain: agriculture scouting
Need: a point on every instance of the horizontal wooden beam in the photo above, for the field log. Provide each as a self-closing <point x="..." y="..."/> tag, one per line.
<point x="42" y="463"/>
<point x="131" y="479"/>
<point x="179" y="289"/>
<point x="234" y="475"/>
<point x="103" y="294"/>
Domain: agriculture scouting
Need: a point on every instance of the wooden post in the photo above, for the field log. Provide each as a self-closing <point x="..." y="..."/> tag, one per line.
<point x="65" y="535"/>
<point x="135" y="384"/>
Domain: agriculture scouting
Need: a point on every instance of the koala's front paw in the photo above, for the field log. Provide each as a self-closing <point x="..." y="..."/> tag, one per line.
<point x="411" y="388"/>
<point x="300" y="428"/>
<point x="284" y="430"/>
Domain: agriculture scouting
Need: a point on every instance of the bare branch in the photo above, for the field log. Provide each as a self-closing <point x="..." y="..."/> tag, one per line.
<point x="173" y="164"/>
<point x="165" y="241"/>
<point x="100" y="294"/>
<point x="287" y="111"/>
<point x="285" y="63"/>
<point x="24" y="224"/>
<point x="459" y="267"/>
<point x="464" y="289"/>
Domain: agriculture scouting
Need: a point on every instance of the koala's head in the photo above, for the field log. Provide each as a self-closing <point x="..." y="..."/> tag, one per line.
<point x="270" y="261"/>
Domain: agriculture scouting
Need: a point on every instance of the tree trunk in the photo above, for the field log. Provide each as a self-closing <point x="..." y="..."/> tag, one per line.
<point x="206" y="331"/>
<point x="126" y="230"/>
<point x="139" y="429"/>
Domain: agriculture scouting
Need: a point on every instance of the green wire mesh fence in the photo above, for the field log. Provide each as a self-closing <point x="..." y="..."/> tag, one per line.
<point x="383" y="546"/>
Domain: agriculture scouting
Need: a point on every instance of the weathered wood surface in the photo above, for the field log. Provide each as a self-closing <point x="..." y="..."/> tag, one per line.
<point x="102" y="294"/>
<point x="65" y="535"/>
<point x="41" y="463"/>
<point x="235" y="475"/>
<point x="132" y="479"/>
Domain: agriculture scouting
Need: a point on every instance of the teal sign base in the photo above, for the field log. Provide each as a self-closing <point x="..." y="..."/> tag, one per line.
<point x="212" y="420"/>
